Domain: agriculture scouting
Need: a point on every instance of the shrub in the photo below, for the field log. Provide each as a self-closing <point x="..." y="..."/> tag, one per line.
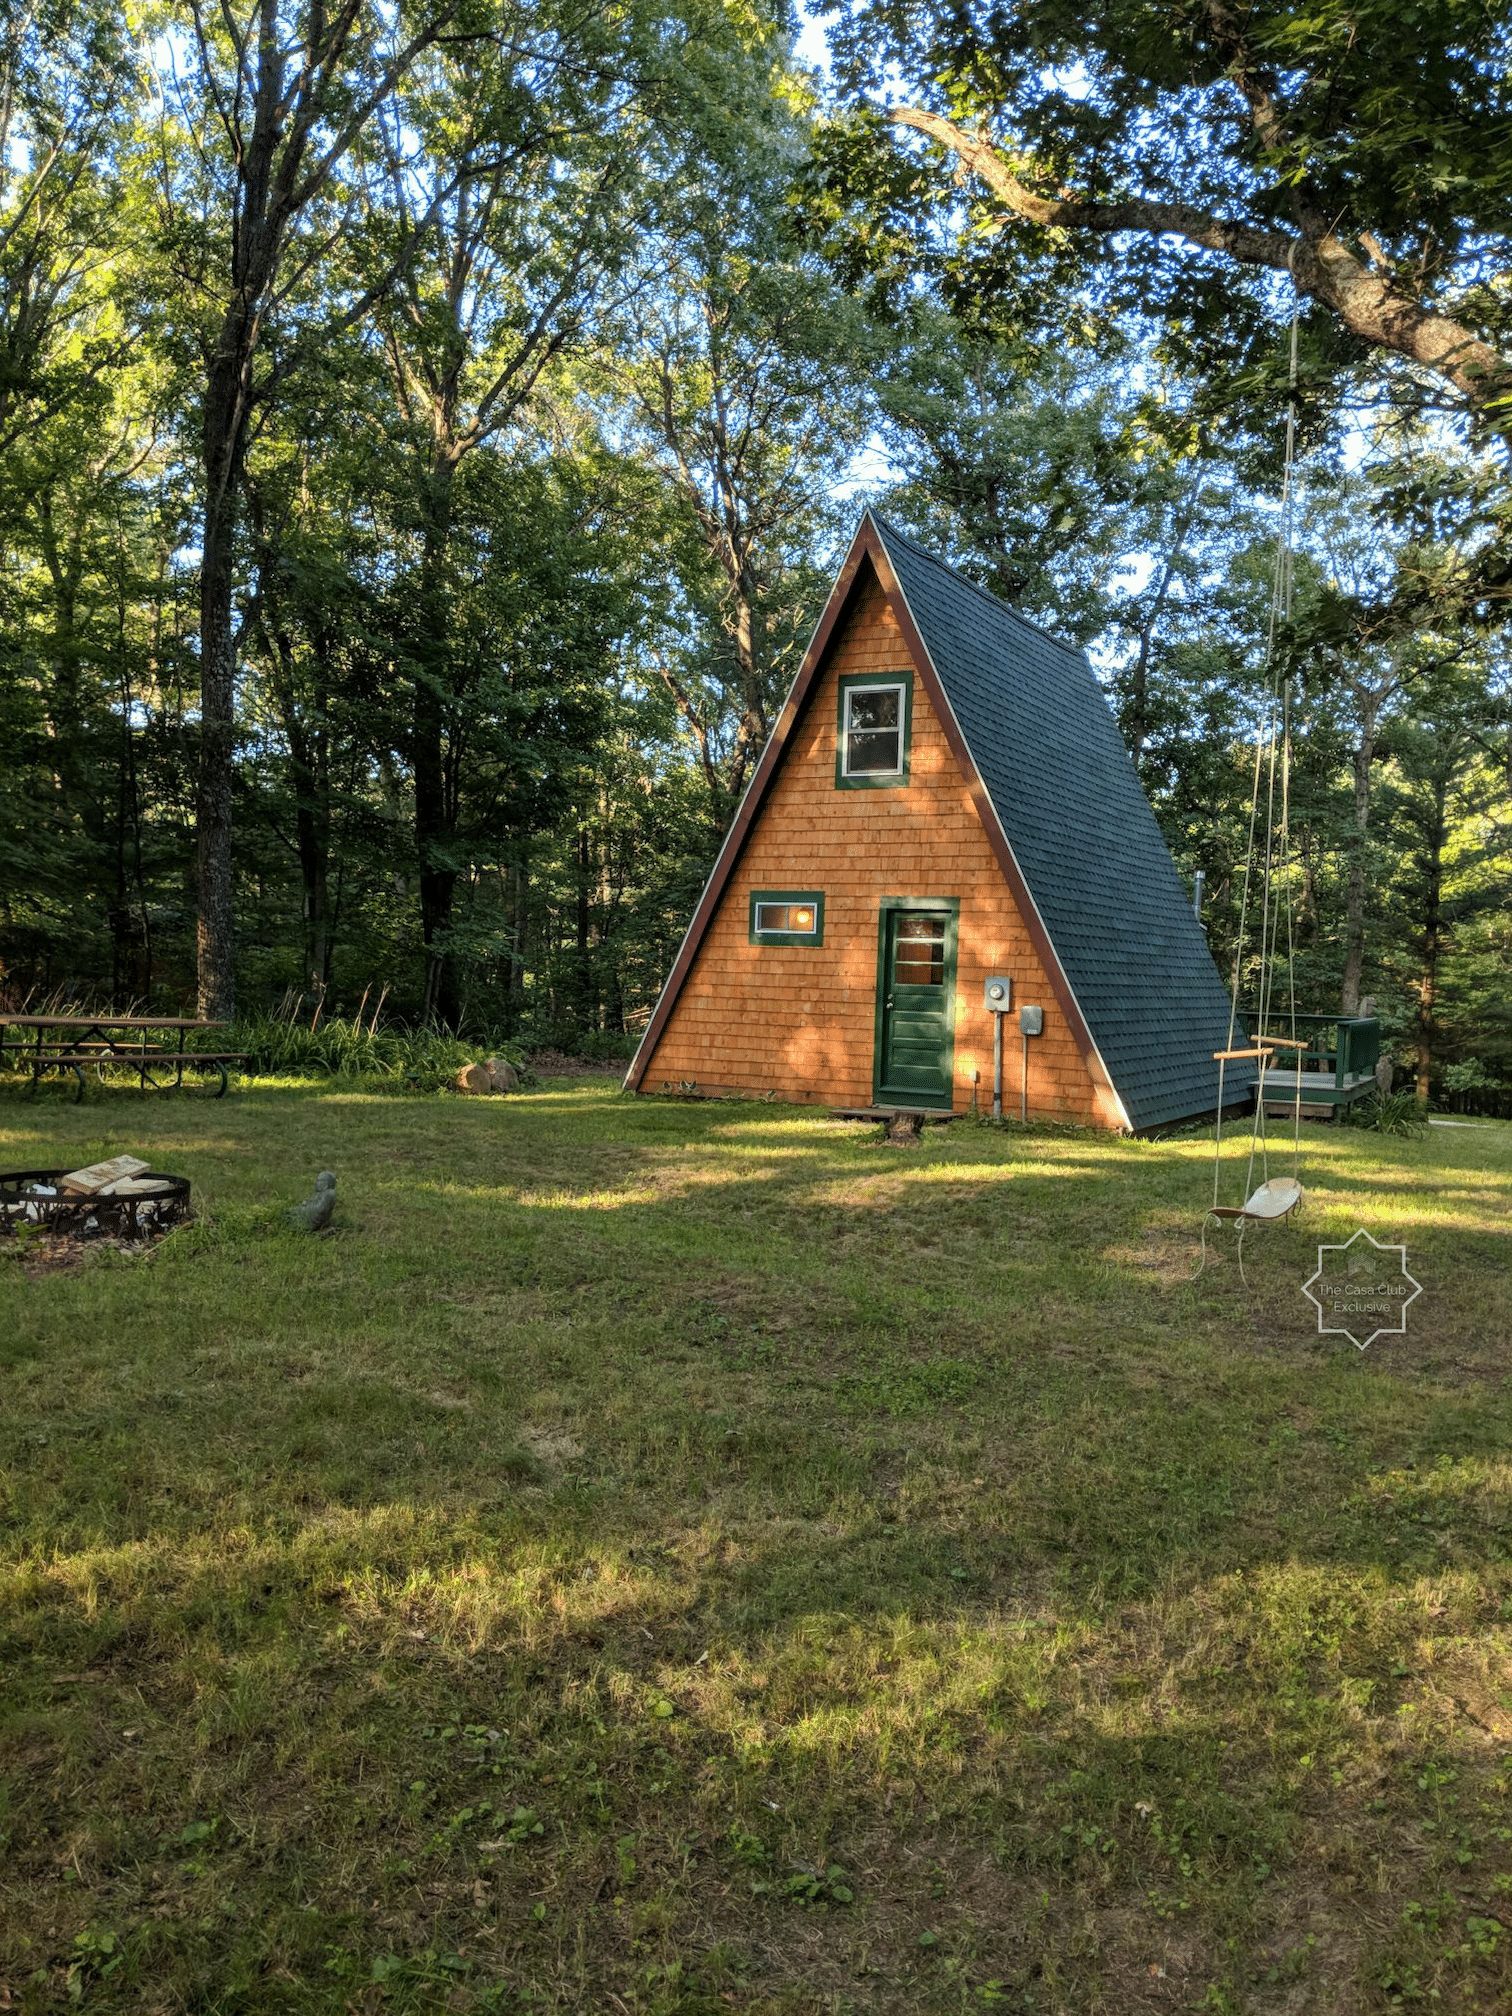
<point x="423" y="1059"/>
<point x="1389" y="1113"/>
<point x="565" y="1039"/>
<point x="1470" y="1075"/>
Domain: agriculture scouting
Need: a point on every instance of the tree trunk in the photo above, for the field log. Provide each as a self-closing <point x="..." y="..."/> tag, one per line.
<point x="746" y="635"/>
<point x="131" y="943"/>
<point x="1362" y="757"/>
<point x="314" y="869"/>
<point x="587" y="1005"/>
<point x="65" y="699"/>
<point x="1138" y="720"/>
<point x="312" y="838"/>
<point x="1431" y="940"/>
<point x="224" y="447"/>
<point x="520" y="879"/>
<point x="310" y="761"/>
<point x="433" y="820"/>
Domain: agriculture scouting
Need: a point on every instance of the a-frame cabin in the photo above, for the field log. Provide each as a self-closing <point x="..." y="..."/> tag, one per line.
<point x="945" y="799"/>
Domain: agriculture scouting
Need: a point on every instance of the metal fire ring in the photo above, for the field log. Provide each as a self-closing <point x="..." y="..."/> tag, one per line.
<point x="145" y="1211"/>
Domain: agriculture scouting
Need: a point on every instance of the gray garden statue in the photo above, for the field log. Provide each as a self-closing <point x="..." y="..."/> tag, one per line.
<point x="314" y="1214"/>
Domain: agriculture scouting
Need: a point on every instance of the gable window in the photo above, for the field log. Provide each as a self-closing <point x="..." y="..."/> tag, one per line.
<point x="787" y="917"/>
<point x="872" y="741"/>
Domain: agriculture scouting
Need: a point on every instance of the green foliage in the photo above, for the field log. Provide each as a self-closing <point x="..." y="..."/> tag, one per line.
<point x="1394" y="1113"/>
<point x="822" y="1887"/>
<point x="560" y="420"/>
<point x="402" y="1059"/>
<point x="1468" y="1075"/>
<point x="1266" y="119"/>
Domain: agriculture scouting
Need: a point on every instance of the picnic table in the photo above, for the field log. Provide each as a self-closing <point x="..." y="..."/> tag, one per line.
<point x="112" y="1042"/>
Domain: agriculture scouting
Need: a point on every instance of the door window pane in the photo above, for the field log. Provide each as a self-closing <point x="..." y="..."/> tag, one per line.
<point x="919" y="952"/>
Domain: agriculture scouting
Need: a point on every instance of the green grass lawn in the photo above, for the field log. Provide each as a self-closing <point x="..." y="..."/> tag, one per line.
<point x="673" y="1558"/>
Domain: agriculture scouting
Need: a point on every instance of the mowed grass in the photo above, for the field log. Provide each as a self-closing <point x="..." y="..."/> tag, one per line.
<point x="674" y="1558"/>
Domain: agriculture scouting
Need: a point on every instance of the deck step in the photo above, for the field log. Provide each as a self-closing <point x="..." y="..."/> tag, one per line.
<point x="927" y="1116"/>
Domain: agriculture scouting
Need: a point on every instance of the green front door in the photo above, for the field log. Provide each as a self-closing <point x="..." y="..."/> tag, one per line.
<point x="916" y="957"/>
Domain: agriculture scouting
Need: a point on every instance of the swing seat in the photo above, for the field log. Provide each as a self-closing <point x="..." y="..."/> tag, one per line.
<point x="1276" y="1199"/>
<point x="1273" y="1201"/>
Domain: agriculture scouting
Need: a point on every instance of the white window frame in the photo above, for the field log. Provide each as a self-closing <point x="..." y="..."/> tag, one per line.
<point x="815" y="904"/>
<point x="901" y="688"/>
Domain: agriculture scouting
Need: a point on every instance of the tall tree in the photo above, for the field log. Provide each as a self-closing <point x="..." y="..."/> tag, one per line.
<point x="736" y="368"/>
<point x="1452" y="818"/>
<point x="65" y="95"/>
<point x="518" y="251"/>
<point x="275" y="100"/>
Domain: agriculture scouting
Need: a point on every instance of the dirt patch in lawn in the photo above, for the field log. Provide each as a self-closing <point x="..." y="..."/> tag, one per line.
<point x="59" y="1253"/>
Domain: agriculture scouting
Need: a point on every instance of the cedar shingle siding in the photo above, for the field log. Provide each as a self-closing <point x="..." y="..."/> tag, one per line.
<point x="799" y="1021"/>
<point x="1129" y="991"/>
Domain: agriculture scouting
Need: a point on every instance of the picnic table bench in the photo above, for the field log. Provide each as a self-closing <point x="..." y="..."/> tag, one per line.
<point x="112" y="1042"/>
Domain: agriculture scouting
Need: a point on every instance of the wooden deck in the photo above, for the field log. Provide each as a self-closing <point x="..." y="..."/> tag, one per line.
<point x="1337" y="1057"/>
<point x="1322" y="1092"/>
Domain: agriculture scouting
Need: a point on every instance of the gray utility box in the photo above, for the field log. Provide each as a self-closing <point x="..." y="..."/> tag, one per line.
<point x="1032" y="1020"/>
<point x="997" y="994"/>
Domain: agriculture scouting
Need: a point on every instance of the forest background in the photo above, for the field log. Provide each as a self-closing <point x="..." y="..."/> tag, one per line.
<point x="427" y="433"/>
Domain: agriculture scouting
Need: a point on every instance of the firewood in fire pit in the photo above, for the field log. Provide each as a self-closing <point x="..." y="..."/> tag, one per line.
<point x="100" y="1175"/>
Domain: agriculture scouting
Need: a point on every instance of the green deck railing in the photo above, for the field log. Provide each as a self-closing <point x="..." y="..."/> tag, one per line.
<point x="1342" y="1050"/>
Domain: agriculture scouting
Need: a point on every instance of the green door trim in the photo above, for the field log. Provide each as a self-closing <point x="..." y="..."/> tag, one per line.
<point x="889" y="907"/>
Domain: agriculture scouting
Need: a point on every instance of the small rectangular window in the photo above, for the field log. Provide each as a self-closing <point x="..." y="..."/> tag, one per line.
<point x="787" y="917"/>
<point x="873" y="730"/>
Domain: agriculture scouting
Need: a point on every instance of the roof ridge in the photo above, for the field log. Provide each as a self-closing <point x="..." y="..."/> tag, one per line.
<point x="891" y="531"/>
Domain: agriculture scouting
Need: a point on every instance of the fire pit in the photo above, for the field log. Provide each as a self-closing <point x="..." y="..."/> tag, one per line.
<point x="138" y="1208"/>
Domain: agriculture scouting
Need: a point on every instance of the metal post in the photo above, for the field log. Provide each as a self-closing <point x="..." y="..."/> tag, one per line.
<point x="1024" y="1084"/>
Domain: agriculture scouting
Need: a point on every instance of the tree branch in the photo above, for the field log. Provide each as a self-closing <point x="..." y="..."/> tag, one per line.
<point x="1372" y="305"/>
<point x="1244" y="242"/>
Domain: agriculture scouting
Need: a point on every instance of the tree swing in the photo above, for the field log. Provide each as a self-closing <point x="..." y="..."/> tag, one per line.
<point x="1275" y="1198"/>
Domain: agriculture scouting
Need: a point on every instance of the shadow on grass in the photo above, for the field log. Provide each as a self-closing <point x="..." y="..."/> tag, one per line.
<point x="689" y="1721"/>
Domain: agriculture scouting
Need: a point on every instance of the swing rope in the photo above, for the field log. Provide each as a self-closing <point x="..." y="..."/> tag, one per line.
<point x="1273" y="758"/>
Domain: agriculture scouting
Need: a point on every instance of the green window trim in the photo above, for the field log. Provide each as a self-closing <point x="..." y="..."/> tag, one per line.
<point x="814" y="898"/>
<point x="875" y="780"/>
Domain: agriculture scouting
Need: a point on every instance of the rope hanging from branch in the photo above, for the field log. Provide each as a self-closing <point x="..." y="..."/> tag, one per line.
<point x="1269" y="866"/>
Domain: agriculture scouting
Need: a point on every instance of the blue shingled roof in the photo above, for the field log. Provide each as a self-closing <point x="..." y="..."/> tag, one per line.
<point x="1053" y="762"/>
